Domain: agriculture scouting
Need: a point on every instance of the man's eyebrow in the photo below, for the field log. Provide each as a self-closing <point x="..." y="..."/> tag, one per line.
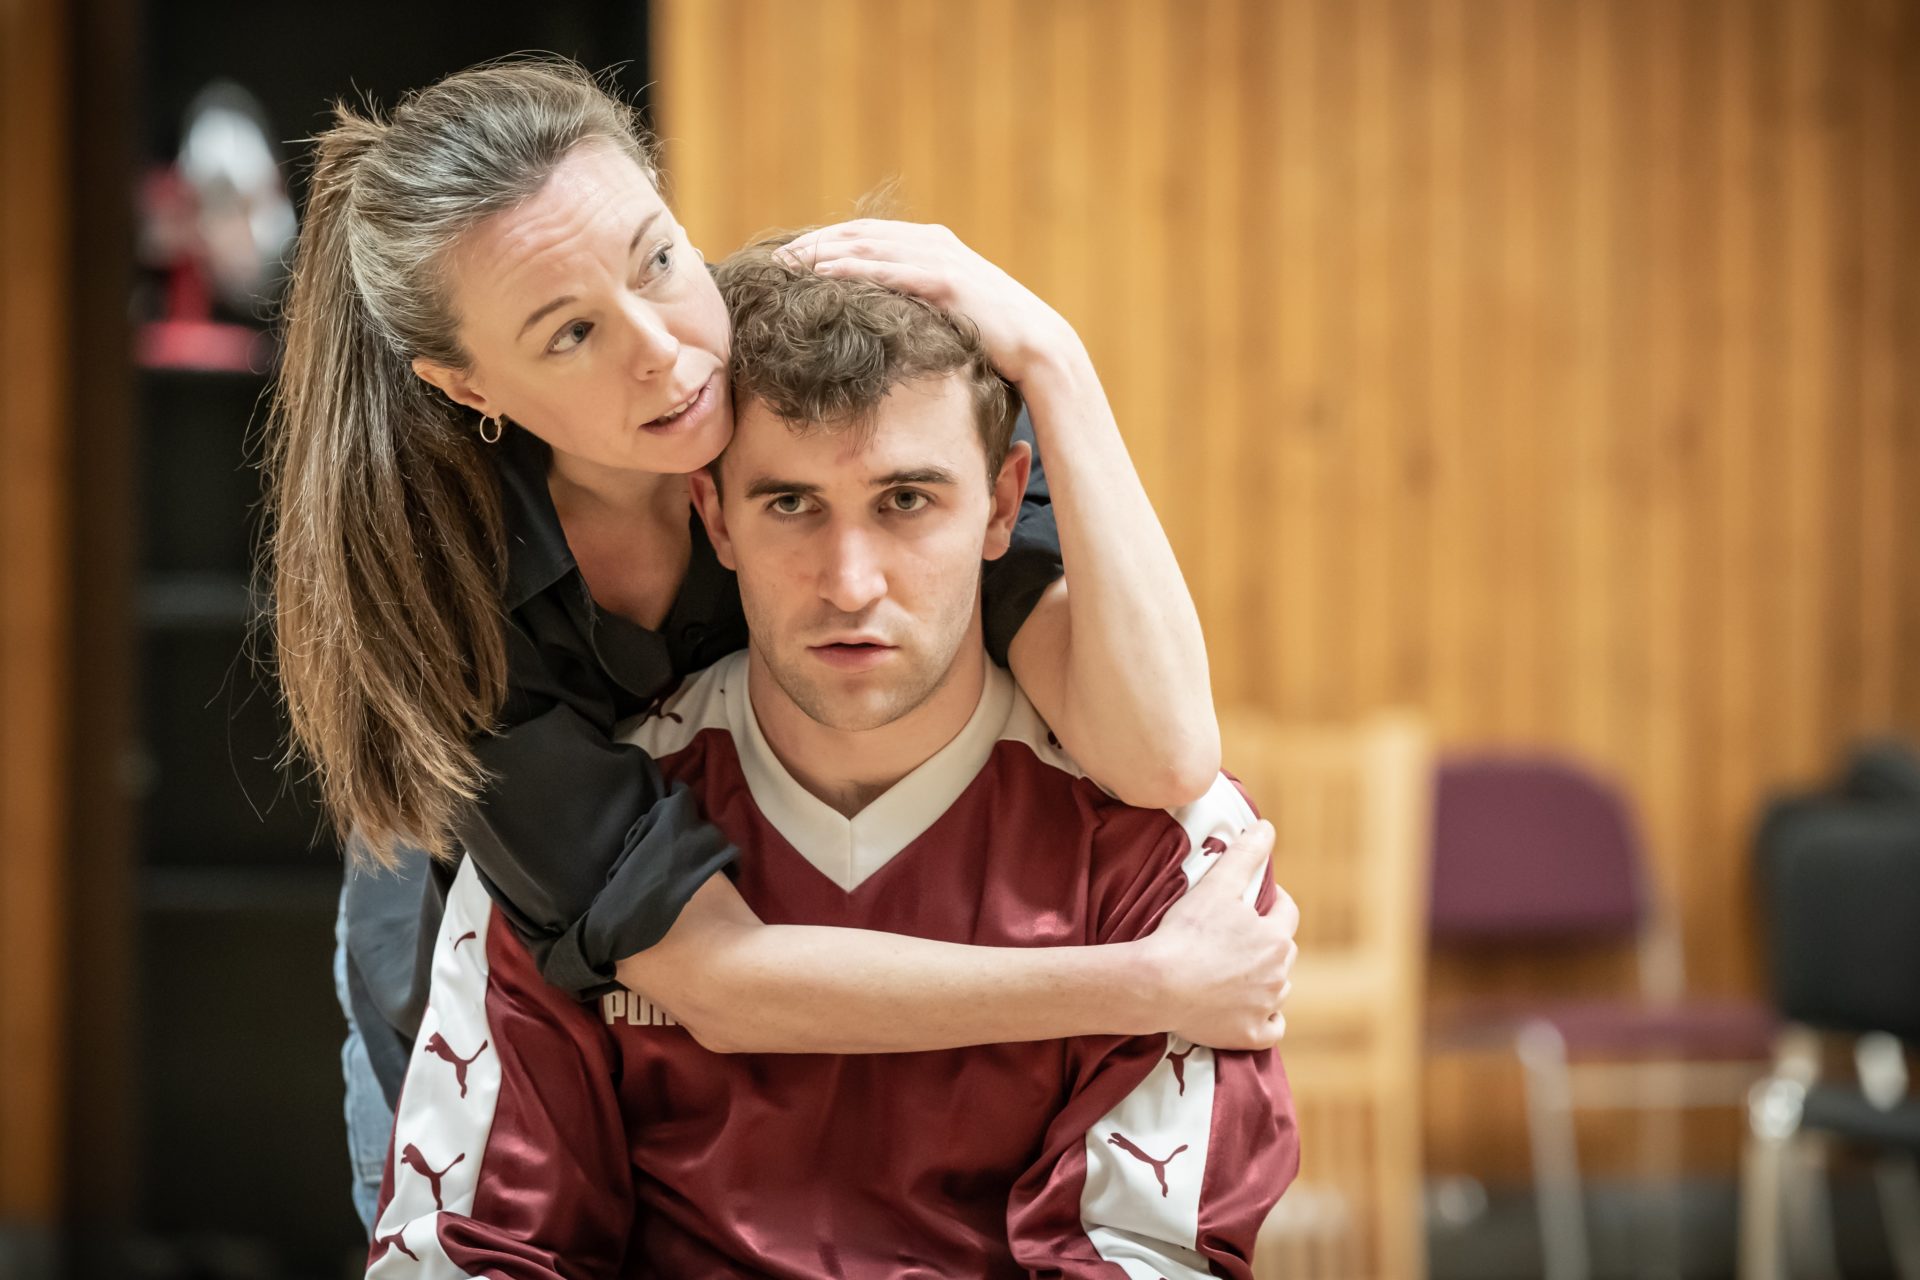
<point x="767" y="486"/>
<point x="917" y="475"/>
<point x="638" y="235"/>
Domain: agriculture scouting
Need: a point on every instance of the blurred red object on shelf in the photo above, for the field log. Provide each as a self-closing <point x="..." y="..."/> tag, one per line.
<point x="204" y="345"/>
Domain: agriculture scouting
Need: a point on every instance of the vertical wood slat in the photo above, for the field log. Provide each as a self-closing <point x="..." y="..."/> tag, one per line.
<point x="35" y="671"/>
<point x="1807" y="301"/>
<point x="1545" y="366"/>
<point x="1213" y="387"/>
<point x="1878" y="476"/>
<point x="1293" y="400"/>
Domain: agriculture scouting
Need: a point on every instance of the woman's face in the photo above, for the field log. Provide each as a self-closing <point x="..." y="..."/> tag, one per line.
<point x="592" y="322"/>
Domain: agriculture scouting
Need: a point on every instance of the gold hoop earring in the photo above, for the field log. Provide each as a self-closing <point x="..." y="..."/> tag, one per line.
<point x="498" y="428"/>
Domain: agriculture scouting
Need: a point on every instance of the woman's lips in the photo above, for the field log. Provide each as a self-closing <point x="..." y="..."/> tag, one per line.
<point x="696" y="412"/>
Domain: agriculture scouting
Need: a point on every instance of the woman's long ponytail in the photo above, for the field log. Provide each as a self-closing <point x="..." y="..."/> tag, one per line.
<point x="386" y="553"/>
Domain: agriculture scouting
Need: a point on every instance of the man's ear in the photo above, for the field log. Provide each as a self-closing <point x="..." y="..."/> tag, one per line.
<point x="456" y="385"/>
<point x="706" y="496"/>
<point x="1009" y="488"/>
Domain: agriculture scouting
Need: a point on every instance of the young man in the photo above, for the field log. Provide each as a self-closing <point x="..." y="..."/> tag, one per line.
<point x="875" y="770"/>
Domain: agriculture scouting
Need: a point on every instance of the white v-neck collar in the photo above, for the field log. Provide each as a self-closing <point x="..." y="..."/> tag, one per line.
<point x="848" y="850"/>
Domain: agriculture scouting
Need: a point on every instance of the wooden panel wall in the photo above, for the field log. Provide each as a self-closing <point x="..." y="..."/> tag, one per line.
<point x="1544" y="366"/>
<point x="34" y="605"/>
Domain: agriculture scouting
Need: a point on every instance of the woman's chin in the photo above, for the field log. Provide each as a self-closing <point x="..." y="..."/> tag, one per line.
<point x="682" y="455"/>
<point x="695" y="438"/>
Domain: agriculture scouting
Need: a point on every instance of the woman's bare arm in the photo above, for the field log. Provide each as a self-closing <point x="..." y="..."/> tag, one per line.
<point x="1215" y="971"/>
<point x="1112" y="655"/>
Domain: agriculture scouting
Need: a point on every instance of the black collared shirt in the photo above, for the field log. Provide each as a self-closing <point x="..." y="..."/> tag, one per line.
<point x="587" y="849"/>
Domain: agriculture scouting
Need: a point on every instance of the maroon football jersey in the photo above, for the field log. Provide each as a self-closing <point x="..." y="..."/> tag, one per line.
<point x="540" y="1137"/>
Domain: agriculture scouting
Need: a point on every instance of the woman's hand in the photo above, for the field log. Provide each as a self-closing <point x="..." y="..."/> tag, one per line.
<point x="1228" y="967"/>
<point x="1020" y="331"/>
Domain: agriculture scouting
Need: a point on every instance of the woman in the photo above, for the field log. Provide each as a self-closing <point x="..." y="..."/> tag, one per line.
<point x="502" y="358"/>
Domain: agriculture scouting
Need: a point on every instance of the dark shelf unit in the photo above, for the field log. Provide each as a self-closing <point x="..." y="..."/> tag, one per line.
<point x="235" y="882"/>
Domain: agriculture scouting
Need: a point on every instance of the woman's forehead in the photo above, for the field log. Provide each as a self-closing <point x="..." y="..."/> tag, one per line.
<point x="580" y="226"/>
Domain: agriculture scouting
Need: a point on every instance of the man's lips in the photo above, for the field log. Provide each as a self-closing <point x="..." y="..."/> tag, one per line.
<point x="852" y="654"/>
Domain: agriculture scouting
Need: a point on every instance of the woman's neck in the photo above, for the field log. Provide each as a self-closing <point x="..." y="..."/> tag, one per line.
<point x="585" y="491"/>
<point x="629" y="536"/>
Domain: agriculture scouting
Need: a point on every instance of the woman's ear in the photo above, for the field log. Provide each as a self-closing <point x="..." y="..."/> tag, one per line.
<point x="454" y="383"/>
<point x="1009" y="489"/>
<point x="704" y="485"/>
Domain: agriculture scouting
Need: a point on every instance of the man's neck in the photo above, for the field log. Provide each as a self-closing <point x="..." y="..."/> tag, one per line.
<point x="846" y="769"/>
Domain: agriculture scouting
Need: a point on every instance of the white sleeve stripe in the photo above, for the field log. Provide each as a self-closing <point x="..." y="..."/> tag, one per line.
<point x="1147" y="1158"/>
<point x="1210" y="822"/>
<point x="1146" y="1162"/>
<point x="447" y="1107"/>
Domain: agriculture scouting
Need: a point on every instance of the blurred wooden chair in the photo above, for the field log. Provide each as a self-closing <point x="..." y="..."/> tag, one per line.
<point x="1350" y="807"/>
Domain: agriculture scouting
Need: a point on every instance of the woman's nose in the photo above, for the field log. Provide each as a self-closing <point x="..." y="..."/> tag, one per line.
<point x="655" y="349"/>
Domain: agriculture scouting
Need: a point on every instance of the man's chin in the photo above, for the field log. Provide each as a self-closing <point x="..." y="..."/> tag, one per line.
<point x="852" y="712"/>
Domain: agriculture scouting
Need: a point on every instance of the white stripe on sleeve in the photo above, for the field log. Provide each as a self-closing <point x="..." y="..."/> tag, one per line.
<point x="441" y="1129"/>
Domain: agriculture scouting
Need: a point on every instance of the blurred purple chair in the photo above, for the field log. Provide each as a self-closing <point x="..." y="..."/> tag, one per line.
<point x="1530" y="852"/>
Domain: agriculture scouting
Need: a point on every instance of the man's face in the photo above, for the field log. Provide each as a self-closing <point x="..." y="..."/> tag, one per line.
<point x="859" y="563"/>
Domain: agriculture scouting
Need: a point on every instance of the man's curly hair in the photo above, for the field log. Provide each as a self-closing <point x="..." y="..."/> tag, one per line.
<point x="822" y="352"/>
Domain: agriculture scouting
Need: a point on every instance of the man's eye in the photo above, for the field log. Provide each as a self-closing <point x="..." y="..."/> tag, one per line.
<point x="571" y="336"/>
<point x="907" y="500"/>
<point x="788" y="504"/>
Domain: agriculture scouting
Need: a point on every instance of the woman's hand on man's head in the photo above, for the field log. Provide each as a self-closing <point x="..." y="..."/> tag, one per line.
<point x="1020" y="331"/>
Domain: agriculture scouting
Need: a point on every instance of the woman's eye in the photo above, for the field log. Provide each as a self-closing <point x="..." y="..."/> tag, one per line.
<point x="907" y="500"/>
<point x="571" y="336"/>
<point x="663" y="257"/>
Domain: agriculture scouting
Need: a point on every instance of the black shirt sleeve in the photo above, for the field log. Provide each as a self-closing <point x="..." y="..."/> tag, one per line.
<point x="588" y="850"/>
<point x="1015" y="582"/>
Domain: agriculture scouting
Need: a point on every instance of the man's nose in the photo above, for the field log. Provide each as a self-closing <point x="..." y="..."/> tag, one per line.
<point x="853" y="576"/>
<point x="654" y="348"/>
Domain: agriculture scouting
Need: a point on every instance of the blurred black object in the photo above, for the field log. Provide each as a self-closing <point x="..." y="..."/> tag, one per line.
<point x="1839" y="879"/>
<point x="1839" y="875"/>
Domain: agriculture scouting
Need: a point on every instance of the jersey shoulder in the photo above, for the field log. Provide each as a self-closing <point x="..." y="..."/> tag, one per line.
<point x="701" y="702"/>
<point x="1202" y="827"/>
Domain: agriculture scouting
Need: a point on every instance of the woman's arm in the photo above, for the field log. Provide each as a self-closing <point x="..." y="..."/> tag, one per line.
<point x="1214" y="971"/>
<point x="592" y="856"/>
<point x="1118" y="665"/>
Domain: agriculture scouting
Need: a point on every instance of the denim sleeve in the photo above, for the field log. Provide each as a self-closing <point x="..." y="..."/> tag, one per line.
<point x="369" y="1116"/>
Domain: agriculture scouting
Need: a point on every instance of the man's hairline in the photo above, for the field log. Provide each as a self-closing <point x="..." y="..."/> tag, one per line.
<point x="852" y="422"/>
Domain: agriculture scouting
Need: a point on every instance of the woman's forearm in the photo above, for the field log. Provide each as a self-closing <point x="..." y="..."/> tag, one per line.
<point x="740" y="986"/>
<point x="1117" y="664"/>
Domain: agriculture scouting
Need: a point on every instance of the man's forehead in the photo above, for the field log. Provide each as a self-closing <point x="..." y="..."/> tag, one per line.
<point x="911" y="433"/>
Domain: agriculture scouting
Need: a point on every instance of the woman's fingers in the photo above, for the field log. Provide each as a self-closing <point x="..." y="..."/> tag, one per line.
<point x="1285" y="911"/>
<point x="918" y="281"/>
<point x="822" y="242"/>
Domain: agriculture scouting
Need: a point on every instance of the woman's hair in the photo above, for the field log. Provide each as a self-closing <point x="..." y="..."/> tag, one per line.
<point x="384" y="546"/>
